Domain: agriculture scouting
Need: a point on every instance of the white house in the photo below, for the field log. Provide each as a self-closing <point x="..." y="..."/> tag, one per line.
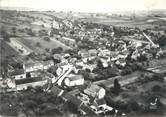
<point x="48" y="64"/>
<point x="29" y="67"/>
<point x="38" y="65"/>
<point x="74" y="80"/>
<point x="121" y="62"/>
<point x="69" y="41"/>
<point x="92" y="52"/>
<point x="95" y="91"/>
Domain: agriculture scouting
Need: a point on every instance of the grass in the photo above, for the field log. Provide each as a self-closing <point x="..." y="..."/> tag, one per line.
<point x="6" y="51"/>
<point x="31" y="43"/>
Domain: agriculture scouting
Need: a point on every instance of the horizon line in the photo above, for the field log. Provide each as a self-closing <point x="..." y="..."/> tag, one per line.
<point x="39" y="9"/>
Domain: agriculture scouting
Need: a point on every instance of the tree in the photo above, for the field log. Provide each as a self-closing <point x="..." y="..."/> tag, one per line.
<point x="70" y="107"/>
<point x="57" y="50"/>
<point x="46" y="38"/>
<point x="30" y="32"/>
<point x="14" y="31"/>
<point x="43" y="33"/>
<point x="47" y="49"/>
<point x="38" y="44"/>
<point x="99" y="64"/>
<point x="156" y="88"/>
<point x="162" y="40"/>
<point x="117" y="86"/>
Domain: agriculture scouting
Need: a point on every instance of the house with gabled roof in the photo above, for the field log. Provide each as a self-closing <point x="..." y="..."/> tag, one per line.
<point x="18" y="74"/>
<point x="74" y="80"/>
<point x="95" y="91"/>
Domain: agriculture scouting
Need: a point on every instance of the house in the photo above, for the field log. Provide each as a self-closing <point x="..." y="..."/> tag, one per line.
<point x="104" y="62"/>
<point x="8" y="83"/>
<point x="48" y="64"/>
<point x="95" y="91"/>
<point x="83" y="97"/>
<point x="33" y="66"/>
<point x="38" y="65"/>
<point x="100" y="104"/>
<point x="91" y="58"/>
<point x="41" y="23"/>
<point x="85" y="60"/>
<point x="104" y="52"/>
<point x="67" y="55"/>
<point x="93" y="52"/>
<point x="35" y="74"/>
<point x="69" y="41"/>
<point x="122" y="55"/>
<point x="23" y="84"/>
<point x="73" y="99"/>
<point x="121" y="62"/>
<point x="57" y="91"/>
<point x="57" y="57"/>
<point x="86" y="110"/>
<point x="18" y="74"/>
<point x="56" y="24"/>
<point x="82" y="108"/>
<point x="83" y="53"/>
<point x="74" y="80"/>
<point x="89" y="67"/>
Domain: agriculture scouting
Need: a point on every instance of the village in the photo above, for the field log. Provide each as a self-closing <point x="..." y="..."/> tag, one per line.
<point x="87" y="65"/>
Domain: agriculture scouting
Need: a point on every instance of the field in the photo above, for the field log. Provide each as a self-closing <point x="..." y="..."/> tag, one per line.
<point x="31" y="43"/>
<point x="142" y="22"/>
<point x="6" y="51"/>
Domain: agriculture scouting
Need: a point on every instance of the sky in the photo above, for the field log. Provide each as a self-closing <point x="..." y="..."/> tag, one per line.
<point x="87" y="5"/>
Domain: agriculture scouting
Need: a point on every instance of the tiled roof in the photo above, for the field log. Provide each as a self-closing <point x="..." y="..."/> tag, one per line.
<point x="100" y="101"/>
<point x="76" y="77"/>
<point x="17" y="72"/>
<point x="86" y="109"/>
<point x="73" y="99"/>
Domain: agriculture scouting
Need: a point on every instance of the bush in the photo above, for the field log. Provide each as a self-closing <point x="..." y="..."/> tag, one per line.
<point x="46" y="38"/>
<point x="43" y="33"/>
<point x="38" y="44"/>
<point x="30" y="32"/>
<point x="156" y="88"/>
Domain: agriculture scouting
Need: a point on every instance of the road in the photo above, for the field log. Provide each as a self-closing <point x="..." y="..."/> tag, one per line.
<point x="124" y="80"/>
<point x="136" y="40"/>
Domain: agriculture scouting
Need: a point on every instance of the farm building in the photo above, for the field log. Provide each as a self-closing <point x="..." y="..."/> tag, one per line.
<point x="74" y="80"/>
<point x="18" y="74"/>
<point x="95" y="91"/>
<point x="23" y="84"/>
<point x="68" y="41"/>
<point x="39" y="65"/>
<point x="57" y="91"/>
<point x="29" y="67"/>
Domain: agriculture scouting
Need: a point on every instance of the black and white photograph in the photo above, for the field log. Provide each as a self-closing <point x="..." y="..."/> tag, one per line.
<point x="82" y="58"/>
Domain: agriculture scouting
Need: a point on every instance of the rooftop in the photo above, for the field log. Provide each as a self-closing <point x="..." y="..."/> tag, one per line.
<point x="17" y="72"/>
<point x="93" y="88"/>
<point x="75" y="77"/>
